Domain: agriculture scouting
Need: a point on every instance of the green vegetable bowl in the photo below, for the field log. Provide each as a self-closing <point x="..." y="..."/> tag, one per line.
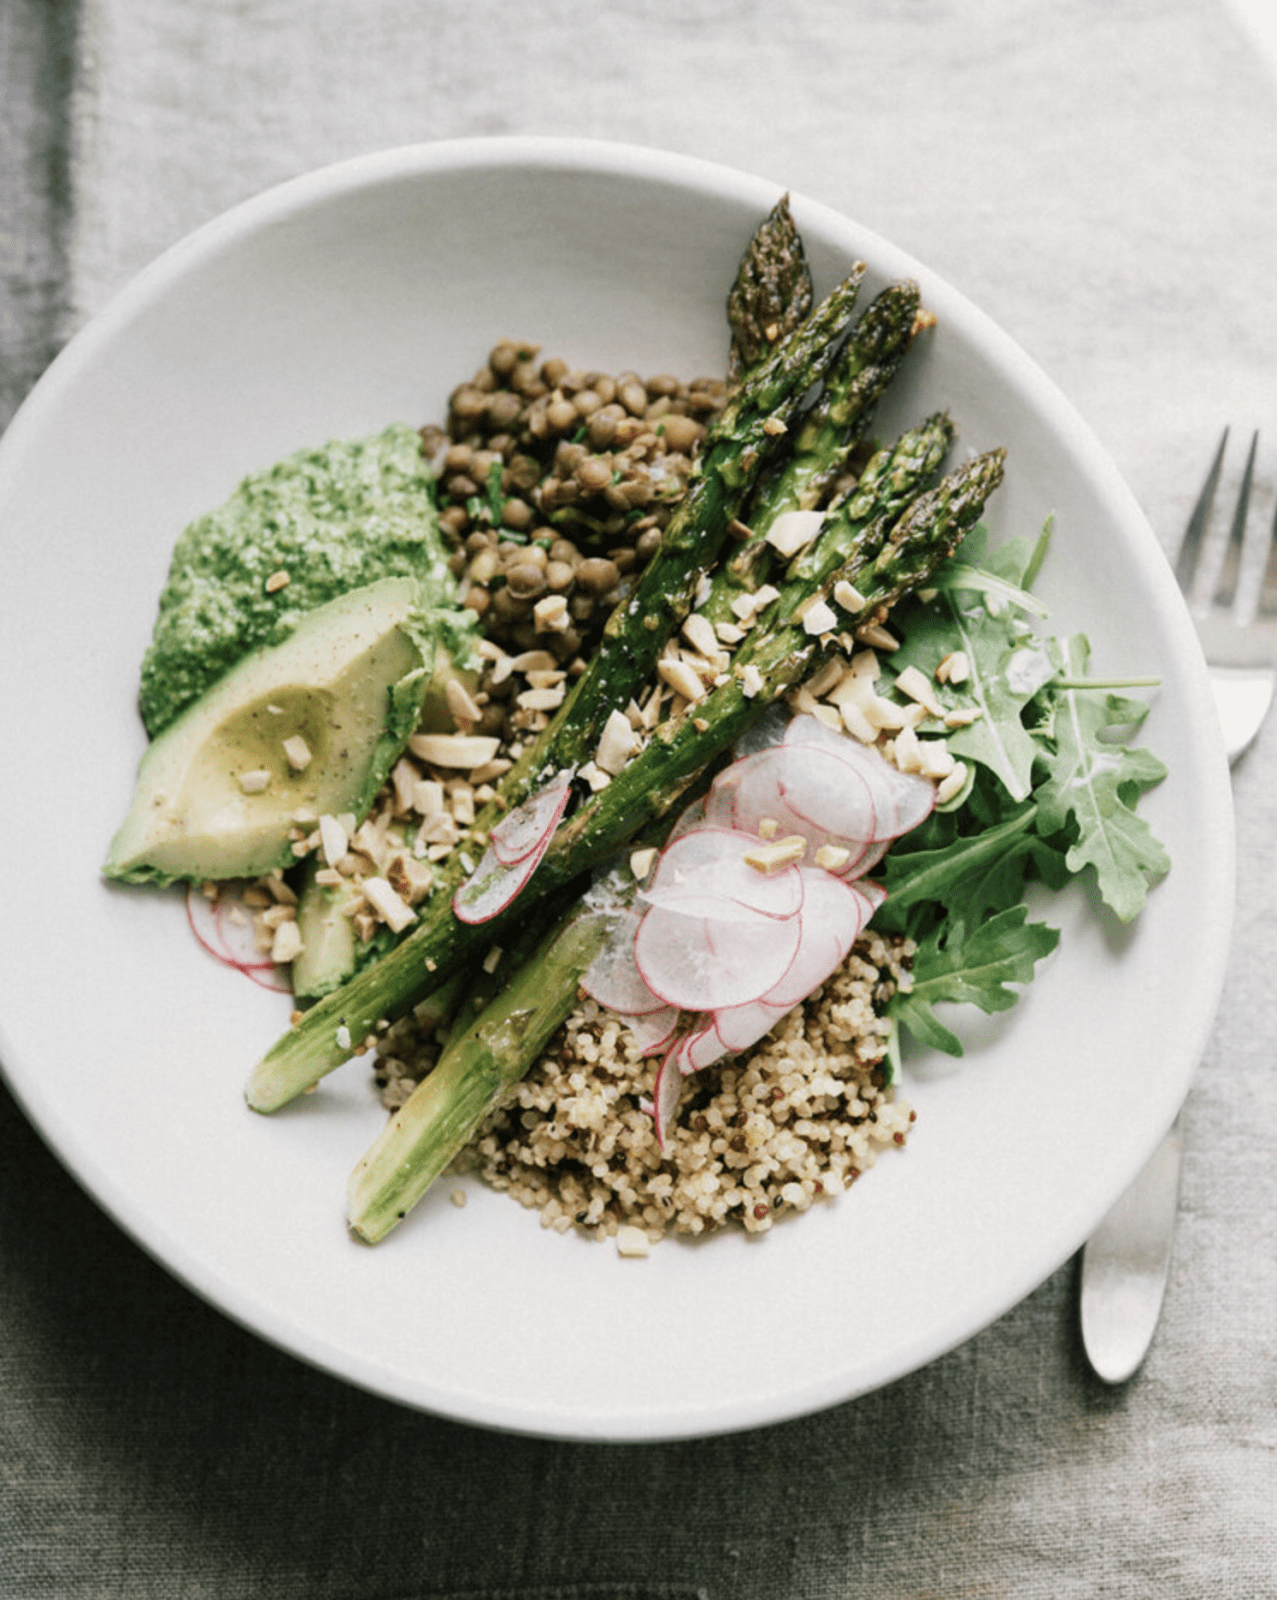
<point x="330" y="307"/>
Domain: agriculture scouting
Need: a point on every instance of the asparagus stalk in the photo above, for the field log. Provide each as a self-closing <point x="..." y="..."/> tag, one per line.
<point x="853" y="386"/>
<point x="824" y="439"/>
<point x="887" y="561"/>
<point x="750" y="432"/>
<point x="498" y="1048"/>
<point x="772" y="292"/>
<point x="481" y="1062"/>
<point x="884" y="561"/>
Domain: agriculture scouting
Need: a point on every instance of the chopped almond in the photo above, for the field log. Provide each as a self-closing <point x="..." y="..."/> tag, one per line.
<point x="698" y="630"/>
<point x="297" y="752"/>
<point x="682" y="678"/>
<point x="616" y="744"/>
<point x="394" y="911"/>
<point x="777" y="856"/>
<point x="849" y="597"/>
<point x="917" y="686"/>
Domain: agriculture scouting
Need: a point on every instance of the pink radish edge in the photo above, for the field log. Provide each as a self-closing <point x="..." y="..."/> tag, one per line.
<point x="265" y="973"/>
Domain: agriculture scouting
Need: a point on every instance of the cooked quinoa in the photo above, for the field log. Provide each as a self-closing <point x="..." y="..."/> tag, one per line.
<point x="795" y="1119"/>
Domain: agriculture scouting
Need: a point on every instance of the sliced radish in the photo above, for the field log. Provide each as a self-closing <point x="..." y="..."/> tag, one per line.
<point x="612" y="978"/>
<point x="529" y="826"/>
<point x="665" y="1097"/>
<point x="835" y="915"/>
<point x="654" y="1031"/>
<point x="702" y="1047"/>
<point x="232" y="940"/>
<point x="901" y="799"/>
<point x="700" y="965"/>
<point x="829" y="793"/>
<point x="492" y="887"/>
<point x="705" y="874"/>
<point x="501" y="874"/>
<point x="739" y="1027"/>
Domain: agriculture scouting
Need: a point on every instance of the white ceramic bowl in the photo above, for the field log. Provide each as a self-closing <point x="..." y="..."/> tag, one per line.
<point x="331" y="306"/>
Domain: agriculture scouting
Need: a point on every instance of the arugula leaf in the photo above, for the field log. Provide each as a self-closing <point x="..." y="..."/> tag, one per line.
<point x="1094" y="783"/>
<point x="981" y="872"/>
<point x="973" y="965"/>
<point x="1006" y="666"/>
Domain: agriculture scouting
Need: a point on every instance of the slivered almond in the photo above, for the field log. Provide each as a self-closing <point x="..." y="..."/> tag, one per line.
<point x="410" y="878"/>
<point x="404" y="779"/>
<point x="962" y="716"/>
<point x="287" y="943"/>
<point x="461" y="804"/>
<point x="427" y="797"/>
<point x="935" y="759"/>
<point x="832" y="856"/>
<point x="881" y="713"/>
<point x="873" y="633"/>
<point x="948" y="787"/>
<point x="458" y="751"/>
<point x="954" y="668"/>
<point x="751" y="680"/>
<point x="461" y="706"/>
<point x="551" y="615"/>
<point x="857" y="724"/>
<point x="490" y="769"/>
<point x="828" y="678"/>
<point x="534" y="661"/>
<point x="819" y="618"/>
<point x="540" y="699"/>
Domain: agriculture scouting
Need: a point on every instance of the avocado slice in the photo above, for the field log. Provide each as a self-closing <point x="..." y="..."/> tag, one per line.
<point x="328" y="954"/>
<point x="297" y="729"/>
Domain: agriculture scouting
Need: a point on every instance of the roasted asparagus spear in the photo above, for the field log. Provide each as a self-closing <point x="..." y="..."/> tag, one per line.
<point x="888" y="557"/>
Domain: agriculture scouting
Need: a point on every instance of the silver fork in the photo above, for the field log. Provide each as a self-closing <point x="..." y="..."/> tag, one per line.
<point x="1240" y="646"/>
<point x="1125" y="1262"/>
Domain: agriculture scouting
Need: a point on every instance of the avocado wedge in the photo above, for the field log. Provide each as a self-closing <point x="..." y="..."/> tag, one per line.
<point x="294" y="730"/>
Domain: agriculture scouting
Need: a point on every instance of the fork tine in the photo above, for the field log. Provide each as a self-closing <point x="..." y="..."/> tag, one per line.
<point x="1192" y="541"/>
<point x="1267" y="606"/>
<point x="1227" y="590"/>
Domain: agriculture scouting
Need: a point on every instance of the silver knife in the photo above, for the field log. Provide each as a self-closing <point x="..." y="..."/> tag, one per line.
<point x="1125" y="1265"/>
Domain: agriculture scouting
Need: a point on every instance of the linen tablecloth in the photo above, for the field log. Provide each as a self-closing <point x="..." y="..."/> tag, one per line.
<point x="1099" y="176"/>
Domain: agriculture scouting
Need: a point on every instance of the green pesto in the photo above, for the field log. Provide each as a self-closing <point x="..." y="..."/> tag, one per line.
<point x="333" y="518"/>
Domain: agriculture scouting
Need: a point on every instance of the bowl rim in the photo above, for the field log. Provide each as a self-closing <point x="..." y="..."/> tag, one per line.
<point x="320" y="186"/>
